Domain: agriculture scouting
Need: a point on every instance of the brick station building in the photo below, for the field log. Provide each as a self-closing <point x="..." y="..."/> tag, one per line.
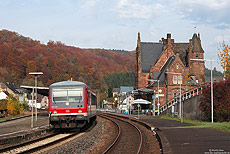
<point x="154" y="59"/>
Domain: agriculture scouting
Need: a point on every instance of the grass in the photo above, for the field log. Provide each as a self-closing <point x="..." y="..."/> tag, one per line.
<point x="222" y="126"/>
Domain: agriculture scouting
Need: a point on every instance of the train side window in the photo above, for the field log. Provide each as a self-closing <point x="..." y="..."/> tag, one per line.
<point x="94" y="101"/>
<point x="88" y="97"/>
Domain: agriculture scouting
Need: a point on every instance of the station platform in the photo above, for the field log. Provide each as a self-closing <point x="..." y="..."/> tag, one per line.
<point x="176" y="140"/>
<point x="21" y="128"/>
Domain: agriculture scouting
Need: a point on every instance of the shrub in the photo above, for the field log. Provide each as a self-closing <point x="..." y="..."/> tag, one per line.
<point x="221" y="101"/>
<point x="14" y="107"/>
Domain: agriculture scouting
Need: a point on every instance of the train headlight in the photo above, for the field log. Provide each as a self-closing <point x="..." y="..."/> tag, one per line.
<point x="55" y="112"/>
<point x="79" y="111"/>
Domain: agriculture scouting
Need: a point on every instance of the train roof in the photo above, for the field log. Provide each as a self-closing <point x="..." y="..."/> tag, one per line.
<point x="68" y="83"/>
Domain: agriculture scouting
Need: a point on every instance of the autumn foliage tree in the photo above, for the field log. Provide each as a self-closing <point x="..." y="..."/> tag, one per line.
<point x="21" y="55"/>
<point x="14" y="107"/>
<point x="224" y="59"/>
<point x="221" y="99"/>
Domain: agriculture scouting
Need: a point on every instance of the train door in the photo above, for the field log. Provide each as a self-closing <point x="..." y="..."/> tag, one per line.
<point x="89" y="103"/>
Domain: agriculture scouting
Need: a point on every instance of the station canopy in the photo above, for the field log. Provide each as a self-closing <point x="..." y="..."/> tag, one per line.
<point x="141" y="101"/>
<point x="146" y="91"/>
<point x="41" y="90"/>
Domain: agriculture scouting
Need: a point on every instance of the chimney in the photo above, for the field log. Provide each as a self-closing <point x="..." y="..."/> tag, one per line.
<point x="162" y="40"/>
<point x="169" y="36"/>
<point x="139" y="37"/>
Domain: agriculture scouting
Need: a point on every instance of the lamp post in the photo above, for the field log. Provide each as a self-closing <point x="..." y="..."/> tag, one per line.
<point x="130" y="101"/>
<point x="158" y="101"/>
<point x="138" y="106"/>
<point x="130" y="105"/>
<point x="32" y="110"/>
<point x="211" y="83"/>
<point x="179" y="82"/>
<point x="36" y="74"/>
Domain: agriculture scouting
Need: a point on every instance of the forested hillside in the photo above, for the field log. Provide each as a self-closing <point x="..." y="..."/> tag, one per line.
<point x="217" y="75"/>
<point x="21" y="55"/>
<point x="120" y="79"/>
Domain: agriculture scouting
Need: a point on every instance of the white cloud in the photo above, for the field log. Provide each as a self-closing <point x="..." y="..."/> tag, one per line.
<point x="134" y="9"/>
<point x="211" y="4"/>
<point x="211" y="12"/>
<point x="89" y="4"/>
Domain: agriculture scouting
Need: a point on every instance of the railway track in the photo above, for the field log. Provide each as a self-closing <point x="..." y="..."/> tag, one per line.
<point x="22" y="117"/>
<point x="128" y="139"/>
<point x="42" y="143"/>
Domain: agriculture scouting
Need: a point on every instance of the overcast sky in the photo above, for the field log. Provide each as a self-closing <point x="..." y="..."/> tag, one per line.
<point x="114" y="24"/>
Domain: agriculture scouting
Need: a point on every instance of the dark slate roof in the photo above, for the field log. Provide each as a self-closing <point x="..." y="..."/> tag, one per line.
<point x="162" y="76"/>
<point x="150" y="53"/>
<point x="14" y="88"/>
<point x="156" y="74"/>
<point x="182" y="49"/>
<point x="148" y="91"/>
<point x="126" y="89"/>
<point x="6" y="92"/>
<point x="67" y="83"/>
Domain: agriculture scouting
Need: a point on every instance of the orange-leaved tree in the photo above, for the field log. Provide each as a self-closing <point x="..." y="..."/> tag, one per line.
<point x="14" y="107"/>
<point x="224" y="59"/>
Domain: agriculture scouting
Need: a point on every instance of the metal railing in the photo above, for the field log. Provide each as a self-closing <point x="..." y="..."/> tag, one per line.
<point x="185" y="96"/>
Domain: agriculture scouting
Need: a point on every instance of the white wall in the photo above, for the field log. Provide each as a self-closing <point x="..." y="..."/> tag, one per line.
<point x="2" y="95"/>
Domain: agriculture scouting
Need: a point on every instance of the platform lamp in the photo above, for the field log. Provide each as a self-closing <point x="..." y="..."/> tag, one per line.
<point x="36" y="74"/>
<point x="211" y="83"/>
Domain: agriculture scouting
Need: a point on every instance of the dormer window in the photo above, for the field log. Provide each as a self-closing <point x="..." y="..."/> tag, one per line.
<point x="177" y="66"/>
<point x="197" y="56"/>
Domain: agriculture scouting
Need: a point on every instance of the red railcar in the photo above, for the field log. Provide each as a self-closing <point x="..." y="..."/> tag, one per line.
<point x="72" y="104"/>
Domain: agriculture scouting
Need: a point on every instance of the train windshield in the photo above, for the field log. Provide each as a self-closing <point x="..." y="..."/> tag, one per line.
<point x="71" y="97"/>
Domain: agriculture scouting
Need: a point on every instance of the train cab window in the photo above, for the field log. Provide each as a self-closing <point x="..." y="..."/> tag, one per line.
<point x="59" y="95"/>
<point x="74" y="95"/>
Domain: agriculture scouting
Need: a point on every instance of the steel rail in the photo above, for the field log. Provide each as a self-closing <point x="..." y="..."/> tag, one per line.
<point x="26" y="116"/>
<point x="47" y="145"/>
<point x="26" y="143"/>
<point x="141" y="140"/>
<point x="140" y="134"/>
<point x="116" y="139"/>
<point x="37" y="148"/>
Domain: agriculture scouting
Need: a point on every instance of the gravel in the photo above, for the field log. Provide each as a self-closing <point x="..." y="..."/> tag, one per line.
<point x="94" y="141"/>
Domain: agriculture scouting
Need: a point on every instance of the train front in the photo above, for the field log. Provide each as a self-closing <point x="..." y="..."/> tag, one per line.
<point x="68" y="104"/>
